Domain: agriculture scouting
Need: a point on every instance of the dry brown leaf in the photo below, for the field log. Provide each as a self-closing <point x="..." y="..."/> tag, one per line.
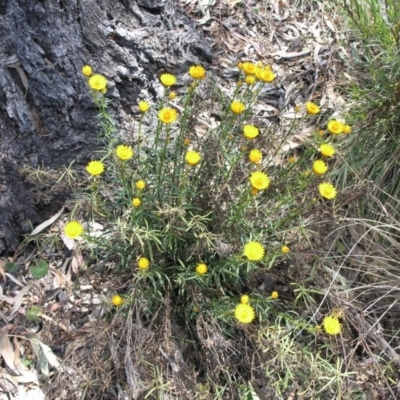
<point x="46" y="223"/>
<point x="7" y="352"/>
<point x="18" y="299"/>
<point x="77" y="261"/>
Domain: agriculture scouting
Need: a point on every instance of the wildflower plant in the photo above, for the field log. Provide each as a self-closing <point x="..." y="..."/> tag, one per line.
<point x="172" y="198"/>
<point x="195" y="212"/>
<point x="167" y="197"/>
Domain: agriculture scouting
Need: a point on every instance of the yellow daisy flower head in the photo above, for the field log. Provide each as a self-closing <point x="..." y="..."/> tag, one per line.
<point x="266" y="75"/>
<point x="143" y="263"/>
<point x="259" y="180"/>
<point x="167" y="115"/>
<point x="87" y="70"/>
<point x="319" y="167"/>
<point x="168" y="79"/>
<point x="73" y="229"/>
<point x="335" y="127"/>
<point x="331" y="325"/>
<point x="291" y="160"/>
<point x="285" y="249"/>
<point x="249" y="68"/>
<point x="327" y="190"/>
<point x="117" y="300"/>
<point x="240" y="65"/>
<point x="140" y="185"/>
<point x="312" y="108"/>
<point x="347" y="129"/>
<point x="250" y="131"/>
<point x="98" y="82"/>
<point x="136" y="202"/>
<point x="124" y="152"/>
<point x="143" y="106"/>
<point x="237" y="107"/>
<point x="244" y="299"/>
<point x="297" y="108"/>
<point x="192" y="157"/>
<point x="197" y="72"/>
<point x="186" y="141"/>
<point x="255" y="156"/>
<point x="201" y="269"/>
<point x="95" y="168"/>
<point x="327" y="150"/>
<point x="250" y="79"/>
<point x="245" y="313"/>
<point x="254" y="251"/>
<point x="172" y="96"/>
<point x="274" y="295"/>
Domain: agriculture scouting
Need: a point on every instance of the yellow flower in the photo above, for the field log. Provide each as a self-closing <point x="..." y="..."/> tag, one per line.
<point x="249" y="68"/>
<point x="167" y="115"/>
<point x="297" y="109"/>
<point x="117" y="300"/>
<point x="250" y="132"/>
<point x="124" y="152"/>
<point x="274" y="295"/>
<point x="327" y="150"/>
<point x="186" y="141"/>
<point x="245" y="299"/>
<point x="197" y="72"/>
<point x="192" y="157"/>
<point x="312" y="108"/>
<point x="172" y="96"/>
<point x="95" y="168"/>
<point x="266" y="75"/>
<point x="237" y="107"/>
<point x="87" y="70"/>
<point x="255" y="156"/>
<point x="143" y="263"/>
<point x="327" y="190"/>
<point x="168" y="79"/>
<point x="73" y="229"/>
<point x="254" y="251"/>
<point x="240" y="66"/>
<point x="143" y="106"/>
<point x="291" y="160"/>
<point x="201" y="269"/>
<point x="140" y="185"/>
<point x="136" y="202"/>
<point x="319" y="167"/>
<point x="321" y="132"/>
<point x="335" y="127"/>
<point x="97" y="82"/>
<point x="239" y="83"/>
<point x="250" y="79"/>
<point x="347" y="129"/>
<point x="331" y="325"/>
<point x="259" y="180"/>
<point x="245" y="313"/>
<point x="285" y="249"/>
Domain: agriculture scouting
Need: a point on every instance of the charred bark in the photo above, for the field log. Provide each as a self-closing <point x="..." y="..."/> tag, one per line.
<point x="47" y="117"/>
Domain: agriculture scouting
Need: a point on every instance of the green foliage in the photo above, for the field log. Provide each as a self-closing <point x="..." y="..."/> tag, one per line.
<point x="40" y="269"/>
<point x="376" y="94"/>
<point x="32" y="314"/>
<point x="11" y="267"/>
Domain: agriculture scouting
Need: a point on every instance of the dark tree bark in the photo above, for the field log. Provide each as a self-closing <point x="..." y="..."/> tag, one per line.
<point x="47" y="117"/>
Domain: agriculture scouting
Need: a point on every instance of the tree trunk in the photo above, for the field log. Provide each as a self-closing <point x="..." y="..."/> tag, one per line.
<point x="47" y="116"/>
